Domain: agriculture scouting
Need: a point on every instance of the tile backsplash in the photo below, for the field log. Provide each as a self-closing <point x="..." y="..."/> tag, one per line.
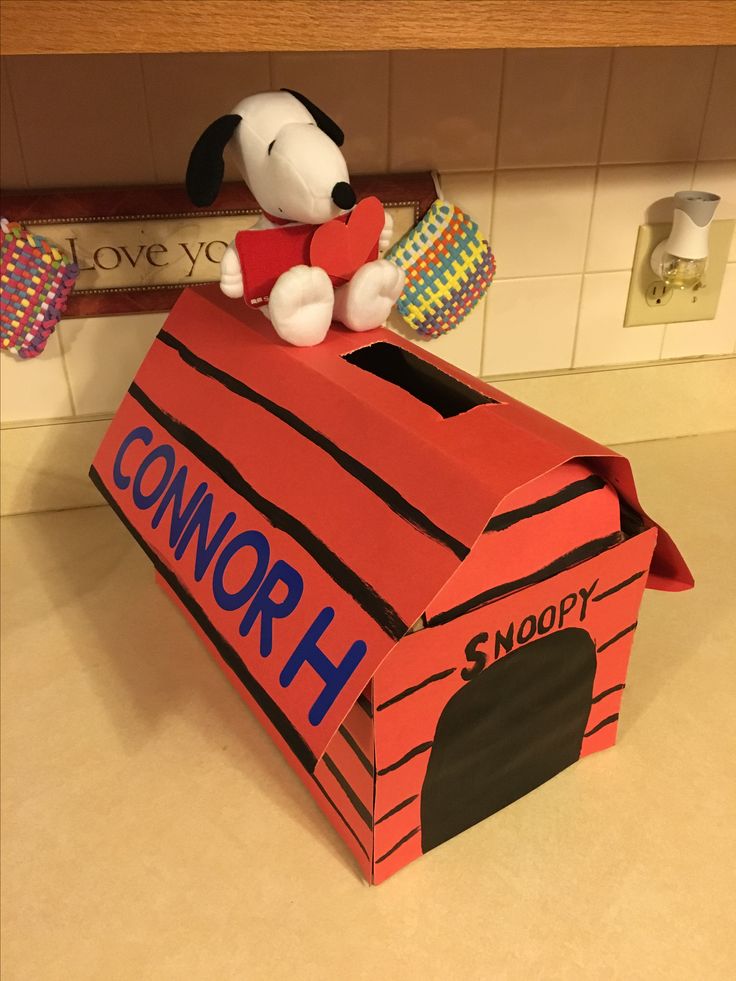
<point x="558" y="154"/>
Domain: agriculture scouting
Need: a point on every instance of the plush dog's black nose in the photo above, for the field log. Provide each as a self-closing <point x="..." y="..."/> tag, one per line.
<point x="343" y="195"/>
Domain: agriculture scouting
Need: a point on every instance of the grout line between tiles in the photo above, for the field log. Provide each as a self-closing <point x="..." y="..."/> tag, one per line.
<point x="61" y="510"/>
<point x="147" y="114"/>
<point x="67" y="376"/>
<point x="11" y="96"/>
<point x="692" y="175"/>
<point x="662" y="439"/>
<point x="584" y="166"/>
<point x="666" y="327"/>
<point x="580" y="272"/>
<point x="597" y="369"/>
<point x="57" y="421"/>
<point x="489" y="230"/>
<point x="391" y="69"/>
<point x="662" y="342"/>
<point x="588" y="236"/>
<point x="499" y="118"/>
<point x="706" y="107"/>
<point x="389" y="104"/>
<point x="599" y="152"/>
<point x="493" y="182"/>
<point x="485" y="330"/>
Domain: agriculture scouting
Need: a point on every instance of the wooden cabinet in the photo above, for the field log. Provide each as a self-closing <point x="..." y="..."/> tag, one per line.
<point x="106" y="26"/>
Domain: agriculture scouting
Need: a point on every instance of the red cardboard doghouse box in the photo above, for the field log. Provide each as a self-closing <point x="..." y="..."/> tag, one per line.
<point x="425" y="590"/>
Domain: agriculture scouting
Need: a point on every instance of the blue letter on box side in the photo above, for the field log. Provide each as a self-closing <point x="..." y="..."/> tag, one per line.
<point x="144" y="434"/>
<point x="335" y="676"/>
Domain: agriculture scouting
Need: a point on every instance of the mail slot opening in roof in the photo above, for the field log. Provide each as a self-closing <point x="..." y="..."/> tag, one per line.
<point x="419" y="378"/>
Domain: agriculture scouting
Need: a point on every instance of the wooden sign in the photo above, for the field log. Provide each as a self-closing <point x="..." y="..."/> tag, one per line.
<point x="137" y="247"/>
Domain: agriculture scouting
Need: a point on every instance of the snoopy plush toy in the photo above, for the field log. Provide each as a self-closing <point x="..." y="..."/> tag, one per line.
<point x="313" y="255"/>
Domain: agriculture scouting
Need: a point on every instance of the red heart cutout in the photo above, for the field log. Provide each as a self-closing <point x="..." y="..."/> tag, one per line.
<point x="343" y="245"/>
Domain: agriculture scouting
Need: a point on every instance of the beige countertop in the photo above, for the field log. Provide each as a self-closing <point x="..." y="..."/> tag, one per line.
<point x="152" y="831"/>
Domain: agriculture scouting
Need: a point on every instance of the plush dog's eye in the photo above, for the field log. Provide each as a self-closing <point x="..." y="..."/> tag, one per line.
<point x="270" y="147"/>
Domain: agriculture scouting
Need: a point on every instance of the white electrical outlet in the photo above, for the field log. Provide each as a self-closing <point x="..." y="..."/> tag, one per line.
<point x="652" y="302"/>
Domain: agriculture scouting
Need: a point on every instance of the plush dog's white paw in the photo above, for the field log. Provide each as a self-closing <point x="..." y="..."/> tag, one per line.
<point x="231" y="275"/>
<point x="232" y="286"/>
<point x="366" y="301"/>
<point x="300" y="305"/>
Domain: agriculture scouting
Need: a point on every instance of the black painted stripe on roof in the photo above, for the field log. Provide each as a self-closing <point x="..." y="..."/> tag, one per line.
<point x="618" y="636"/>
<point x="399" y="843"/>
<point x="581" y="554"/>
<point x="363" y="759"/>
<point x="619" y="586"/>
<point x="360" y="809"/>
<point x="399" y="807"/>
<point x="601" y="725"/>
<point x="415" y="751"/>
<point x="576" y="489"/>
<point x="342" y="817"/>
<point x="415" y="688"/>
<point x="276" y="716"/>
<point x="371" y="480"/>
<point x="379" y="609"/>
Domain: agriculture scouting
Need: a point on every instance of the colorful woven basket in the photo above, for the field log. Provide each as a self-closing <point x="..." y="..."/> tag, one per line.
<point x="449" y="267"/>
<point x="35" y="283"/>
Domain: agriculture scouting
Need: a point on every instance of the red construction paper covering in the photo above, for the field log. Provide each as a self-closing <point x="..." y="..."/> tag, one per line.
<point x="537" y="541"/>
<point x="412" y="691"/>
<point x="366" y="496"/>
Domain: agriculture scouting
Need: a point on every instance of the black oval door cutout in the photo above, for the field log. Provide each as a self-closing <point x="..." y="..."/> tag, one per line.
<point x="514" y="726"/>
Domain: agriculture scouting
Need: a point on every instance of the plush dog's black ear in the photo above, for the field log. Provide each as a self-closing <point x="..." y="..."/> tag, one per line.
<point x="206" y="165"/>
<point x="327" y="125"/>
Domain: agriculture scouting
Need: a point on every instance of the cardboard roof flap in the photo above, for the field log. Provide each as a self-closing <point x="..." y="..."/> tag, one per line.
<point x="369" y="465"/>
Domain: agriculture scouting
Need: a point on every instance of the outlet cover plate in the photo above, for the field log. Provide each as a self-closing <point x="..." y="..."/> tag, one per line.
<point x="650" y="302"/>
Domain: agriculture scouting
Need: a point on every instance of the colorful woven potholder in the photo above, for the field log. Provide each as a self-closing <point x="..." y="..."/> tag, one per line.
<point x="448" y="265"/>
<point x="35" y="283"/>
